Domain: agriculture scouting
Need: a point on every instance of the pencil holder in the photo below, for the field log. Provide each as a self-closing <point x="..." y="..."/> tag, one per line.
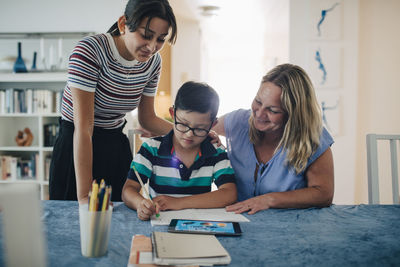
<point x="95" y="231"/>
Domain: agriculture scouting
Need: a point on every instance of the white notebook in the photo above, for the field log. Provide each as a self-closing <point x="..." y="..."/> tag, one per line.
<point x="173" y="248"/>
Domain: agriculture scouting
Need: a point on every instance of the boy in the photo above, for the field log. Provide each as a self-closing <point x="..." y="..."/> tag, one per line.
<point x="183" y="164"/>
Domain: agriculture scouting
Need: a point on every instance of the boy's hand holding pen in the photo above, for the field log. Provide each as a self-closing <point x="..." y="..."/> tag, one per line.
<point x="146" y="209"/>
<point x="147" y="206"/>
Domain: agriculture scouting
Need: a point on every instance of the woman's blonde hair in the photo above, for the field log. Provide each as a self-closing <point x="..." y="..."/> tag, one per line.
<point x="304" y="124"/>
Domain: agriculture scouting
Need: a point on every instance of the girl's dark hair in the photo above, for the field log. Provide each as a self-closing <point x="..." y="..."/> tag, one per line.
<point x="198" y="97"/>
<point x="137" y="10"/>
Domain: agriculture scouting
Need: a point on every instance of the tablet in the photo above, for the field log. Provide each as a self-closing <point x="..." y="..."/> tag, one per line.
<point x="204" y="227"/>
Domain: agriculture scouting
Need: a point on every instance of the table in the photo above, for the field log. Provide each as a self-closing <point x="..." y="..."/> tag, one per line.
<point x="356" y="235"/>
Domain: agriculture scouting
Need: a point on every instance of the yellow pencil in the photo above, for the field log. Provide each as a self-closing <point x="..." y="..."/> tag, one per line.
<point x="92" y="207"/>
<point x="95" y="190"/>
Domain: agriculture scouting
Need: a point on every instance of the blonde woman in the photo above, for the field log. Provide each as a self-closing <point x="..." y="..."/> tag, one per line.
<point x="279" y="149"/>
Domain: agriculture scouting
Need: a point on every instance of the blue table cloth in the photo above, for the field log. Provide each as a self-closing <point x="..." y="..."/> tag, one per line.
<point x="359" y="235"/>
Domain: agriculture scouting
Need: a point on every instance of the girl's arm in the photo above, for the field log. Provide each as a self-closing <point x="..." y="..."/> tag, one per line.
<point x="82" y="144"/>
<point x="148" y="118"/>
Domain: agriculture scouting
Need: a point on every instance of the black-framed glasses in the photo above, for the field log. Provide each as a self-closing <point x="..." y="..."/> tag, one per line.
<point x="183" y="128"/>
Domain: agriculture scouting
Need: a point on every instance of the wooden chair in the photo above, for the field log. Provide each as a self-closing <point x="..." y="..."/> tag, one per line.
<point x="131" y="137"/>
<point x="372" y="162"/>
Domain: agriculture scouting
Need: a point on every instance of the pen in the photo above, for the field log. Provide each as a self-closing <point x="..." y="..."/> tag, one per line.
<point x="109" y="195"/>
<point x="102" y="192"/>
<point x="144" y="188"/>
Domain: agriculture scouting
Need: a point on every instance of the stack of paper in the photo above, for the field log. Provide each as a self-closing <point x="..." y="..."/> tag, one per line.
<point x="197" y="214"/>
<point x="184" y="249"/>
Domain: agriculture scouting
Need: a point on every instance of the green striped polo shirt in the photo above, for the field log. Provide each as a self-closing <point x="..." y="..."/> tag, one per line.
<point x="156" y="161"/>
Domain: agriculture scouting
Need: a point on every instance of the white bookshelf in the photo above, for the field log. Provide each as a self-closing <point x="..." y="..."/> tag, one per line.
<point x="10" y="123"/>
<point x="39" y="80"/>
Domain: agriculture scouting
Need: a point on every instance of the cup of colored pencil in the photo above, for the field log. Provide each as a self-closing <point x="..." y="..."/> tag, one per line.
<point x="95" y="221"/>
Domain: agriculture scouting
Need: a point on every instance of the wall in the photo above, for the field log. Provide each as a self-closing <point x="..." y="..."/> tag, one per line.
<point x="185" y="54"/>
<point x="59" y="15"/>
<point x="230" y="40"/>
<point x="163" y="98"/>
<point x="344" y="148"/>
<point x="379" y="89"/>
<point x="370" y="92"/>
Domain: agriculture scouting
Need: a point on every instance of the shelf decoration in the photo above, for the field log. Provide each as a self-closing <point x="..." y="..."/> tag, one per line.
<point x="19" y="65"/>
<point x="24" y="138"/>
<point x="34" y="68"/>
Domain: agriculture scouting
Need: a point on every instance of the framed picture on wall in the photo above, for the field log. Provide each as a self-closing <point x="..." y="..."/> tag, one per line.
<point x="324" y="65"/>
<point x="325" y="19"/>
<point x="330" y="107"/>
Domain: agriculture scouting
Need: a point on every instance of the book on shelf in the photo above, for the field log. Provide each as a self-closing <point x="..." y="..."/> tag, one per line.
<point x="13" y="100"/>
<point x="16" y="168"/>
<point x="47" y="161"/>
<point x="2" y="102"/>
<point x="50" y="131"/>
<point x="58" y="98"/>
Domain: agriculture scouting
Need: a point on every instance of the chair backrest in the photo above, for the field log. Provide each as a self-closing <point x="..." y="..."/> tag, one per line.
<point x="372" y="162"/>
<point x="131" y="137"/>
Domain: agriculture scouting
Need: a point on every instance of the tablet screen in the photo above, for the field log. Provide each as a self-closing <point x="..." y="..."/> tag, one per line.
<point x="205" y="226"/>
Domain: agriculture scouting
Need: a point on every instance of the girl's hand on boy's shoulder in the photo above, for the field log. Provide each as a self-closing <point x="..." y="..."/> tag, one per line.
<point x="214" y="138"/>
<point x="167" y="202"/>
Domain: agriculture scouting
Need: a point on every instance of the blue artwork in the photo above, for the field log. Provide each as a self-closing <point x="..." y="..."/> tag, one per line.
<point x="323" y="15"/>
<point x="321" y="66"/>
<point x="324" y="108"/>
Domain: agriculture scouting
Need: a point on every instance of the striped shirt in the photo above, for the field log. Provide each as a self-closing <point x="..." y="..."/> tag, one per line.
<point x="156" y="160"/>
<point x="118" y="84"/>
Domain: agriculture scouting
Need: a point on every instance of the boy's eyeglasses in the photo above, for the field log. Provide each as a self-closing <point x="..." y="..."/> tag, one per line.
<point x="183" y="128"/>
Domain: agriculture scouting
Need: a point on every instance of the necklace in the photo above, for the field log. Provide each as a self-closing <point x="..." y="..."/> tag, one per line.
<point x="126" y="69"/>
<point x="128" y="72"/>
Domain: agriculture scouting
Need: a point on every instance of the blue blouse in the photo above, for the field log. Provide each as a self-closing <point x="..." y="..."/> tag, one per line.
<point x="275" y="175"/>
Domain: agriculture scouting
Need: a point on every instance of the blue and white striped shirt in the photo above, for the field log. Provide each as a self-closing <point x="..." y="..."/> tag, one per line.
<point x="156" y="160"/>
<point x="96" y="66"/>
